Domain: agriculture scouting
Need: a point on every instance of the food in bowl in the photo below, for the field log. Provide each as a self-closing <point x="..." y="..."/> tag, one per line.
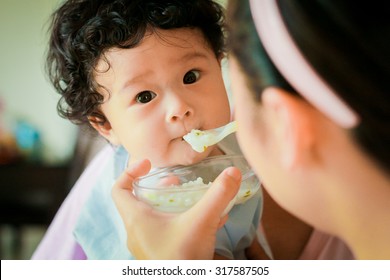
<point x="178" y="188"/>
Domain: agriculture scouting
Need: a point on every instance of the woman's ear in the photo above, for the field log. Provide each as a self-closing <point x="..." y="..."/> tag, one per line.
<point x="104" y="129"/>
<point x="292" y="119"/>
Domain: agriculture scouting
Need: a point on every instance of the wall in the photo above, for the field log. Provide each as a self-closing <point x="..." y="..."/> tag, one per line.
<point x="24" y="88"/>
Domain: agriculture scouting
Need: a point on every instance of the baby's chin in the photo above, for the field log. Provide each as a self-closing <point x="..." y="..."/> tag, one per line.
<point x="183" y="158"/>
<point x="183" y="155"/>
<point x="192" y="157"/>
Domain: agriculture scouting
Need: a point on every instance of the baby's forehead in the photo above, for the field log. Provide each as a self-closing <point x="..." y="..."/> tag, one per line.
<point x="181" y="37"/>
<point x="185" y="37"/>
<point x="181" y="44"/>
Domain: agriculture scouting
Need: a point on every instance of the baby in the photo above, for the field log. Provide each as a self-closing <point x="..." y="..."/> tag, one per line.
<point x="144" y="74"/>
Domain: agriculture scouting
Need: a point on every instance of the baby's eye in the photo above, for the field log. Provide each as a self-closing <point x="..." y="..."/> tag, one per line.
<point x="191" y="77"/>
<point x="145" y="96"/>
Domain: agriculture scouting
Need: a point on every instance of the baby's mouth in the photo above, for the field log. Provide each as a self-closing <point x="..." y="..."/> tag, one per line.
<point x="188" y="132"/>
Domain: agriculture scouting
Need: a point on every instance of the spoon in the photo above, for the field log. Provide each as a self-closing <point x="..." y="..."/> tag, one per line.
<point x="200" y="140"/>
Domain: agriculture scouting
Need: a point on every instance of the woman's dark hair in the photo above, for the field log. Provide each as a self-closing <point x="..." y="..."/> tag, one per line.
<point x="346" y="42"/>
<point x="82" y="30"/>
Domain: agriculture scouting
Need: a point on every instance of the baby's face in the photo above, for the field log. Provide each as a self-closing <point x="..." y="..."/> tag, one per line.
<point x="159" y="91"/>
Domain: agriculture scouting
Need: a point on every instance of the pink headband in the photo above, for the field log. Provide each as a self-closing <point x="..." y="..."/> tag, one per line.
<point x="293" y="66"/>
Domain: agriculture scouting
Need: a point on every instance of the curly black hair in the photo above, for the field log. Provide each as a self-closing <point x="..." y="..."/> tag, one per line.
<point x="83" y="30"/>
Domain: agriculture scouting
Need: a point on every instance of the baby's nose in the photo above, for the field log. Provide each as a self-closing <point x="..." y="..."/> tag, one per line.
<point x="179" y="109"/>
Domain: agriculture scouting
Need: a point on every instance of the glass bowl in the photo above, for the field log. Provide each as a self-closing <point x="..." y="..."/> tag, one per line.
<point x="176" y="189"/>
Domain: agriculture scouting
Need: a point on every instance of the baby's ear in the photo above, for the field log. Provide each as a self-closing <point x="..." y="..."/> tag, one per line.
<point x="104" y="128"/>
<point x="294" y="120"/>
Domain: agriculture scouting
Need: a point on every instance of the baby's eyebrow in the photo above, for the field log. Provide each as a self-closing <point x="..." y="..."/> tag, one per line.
<point x="192" y="55"/>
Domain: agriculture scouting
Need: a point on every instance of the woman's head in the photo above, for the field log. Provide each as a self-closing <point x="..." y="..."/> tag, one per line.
<point x="292" y="142"/>
<point x="346" y="43"/>
<point x="83" y="30"/>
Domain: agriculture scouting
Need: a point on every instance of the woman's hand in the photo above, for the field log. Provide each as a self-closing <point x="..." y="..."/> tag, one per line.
<point x="189" y="235"/>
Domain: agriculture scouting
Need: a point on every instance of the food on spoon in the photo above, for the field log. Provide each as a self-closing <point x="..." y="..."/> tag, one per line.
<point x="200" y="140"/>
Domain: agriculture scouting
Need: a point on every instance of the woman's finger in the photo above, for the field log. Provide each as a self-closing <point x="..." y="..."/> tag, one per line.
<point x="213" y="204"/>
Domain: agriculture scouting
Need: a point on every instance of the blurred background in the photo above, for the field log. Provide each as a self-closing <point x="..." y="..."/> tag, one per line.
<point x="28" y="101"/>
<point x="37" y="147"/>
<point x="41" y="154"/>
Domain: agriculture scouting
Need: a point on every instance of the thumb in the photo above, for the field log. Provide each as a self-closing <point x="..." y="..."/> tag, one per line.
<point x="213" y="204"/>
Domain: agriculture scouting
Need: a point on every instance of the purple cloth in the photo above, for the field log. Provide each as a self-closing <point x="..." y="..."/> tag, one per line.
<point x="59" y="242"/>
